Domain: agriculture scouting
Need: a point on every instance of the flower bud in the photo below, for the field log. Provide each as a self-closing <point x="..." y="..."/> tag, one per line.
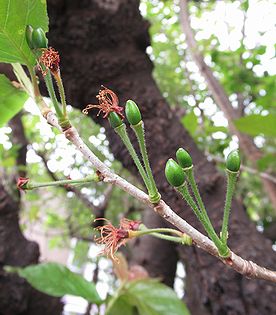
<point x="183" y="158"/>
<point x="132" y="113"/>
<point x="233" y="161"/>
<point x="28" y="35"/>
<point x="39" y="39"/>
<point x="174" y="173"/>
<point x="114" y="120"/>
<point x="22" y="183"/>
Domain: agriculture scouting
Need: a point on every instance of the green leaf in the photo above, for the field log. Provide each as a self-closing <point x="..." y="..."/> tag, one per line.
<point x="15" y="15"/>
<point x="255" y="125"/>
<point x="213" y="129"/>
<point x="190" y="122"/>
<point x="11" y="100"/>
<point x="267" y="161"/>
<point x="120" y="305"/>
<point x="57" y="280"/>
<point x="149" y="297"/>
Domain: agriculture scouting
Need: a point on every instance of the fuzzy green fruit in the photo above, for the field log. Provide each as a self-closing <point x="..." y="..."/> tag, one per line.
<point x="39" y="39"/>
<point x="183" y="158"/>
<point x="233" y="161"/>
<point x="174" y="173"/>
<point x="133" y="113"/>
<point x="114" y="120"/>
<point x="28" y="34"/>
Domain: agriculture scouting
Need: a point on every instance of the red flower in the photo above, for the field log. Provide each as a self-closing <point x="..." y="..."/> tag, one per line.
<point x="112" y="238"/>
<point x="108" y="102"/>
<point x="50" y="59"/>
<point x="22" y="183"/>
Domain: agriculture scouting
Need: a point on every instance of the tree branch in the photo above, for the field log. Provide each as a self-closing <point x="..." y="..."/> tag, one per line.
<point x="244" y="267"/>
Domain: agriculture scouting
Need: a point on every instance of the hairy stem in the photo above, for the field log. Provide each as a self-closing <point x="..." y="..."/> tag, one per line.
<point x="140" y="135"/>
<point x="58" y="79"/>
<point x="231" y="182"/>
<point x="121" y="131"/>
<point x="88" y="179"/>
<point x="52" y="94"/>
<point x="183" y="190"/>
<point x="191" y="179"/>
<point x="181" y="238"/>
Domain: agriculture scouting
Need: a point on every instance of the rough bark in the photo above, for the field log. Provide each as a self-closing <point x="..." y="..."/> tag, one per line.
<point x="16" y="295"/>
<point x="103" y="42"/>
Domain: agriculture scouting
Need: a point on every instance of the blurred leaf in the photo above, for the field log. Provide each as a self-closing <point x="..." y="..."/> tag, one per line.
<point x="80" y="253"/>
<point x="255" y="125"/>
<point x="33" y="213"/>
<point x="15" y="16"/>
<point x="190" y="122"/>
<point x="120" y="305"/>
<point x="57" y="280"/>
<point x="11" y="100"/>
<point x="212" y="129"/>
<point x="267" y="161"/>
<point x="150" y="297"/>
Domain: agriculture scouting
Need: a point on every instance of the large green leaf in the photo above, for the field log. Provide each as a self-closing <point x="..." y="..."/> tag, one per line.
<point x="11" y="100"/>
<point x="255" y="125"/>
<point x="57" y="280"/>
<point x="14" y="16"/>
<point x="150" y="298"/>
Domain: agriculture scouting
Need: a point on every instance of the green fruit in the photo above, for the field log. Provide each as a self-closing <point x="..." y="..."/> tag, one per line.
<point x="114" y="120"/>
<point x="174" y="173"/>
<point x="233" y="161"/>
<point x="39" y="39"/>
<point x="183" y="158"/>
<point x="133" y="113"/>
<point x="28" y="34"/>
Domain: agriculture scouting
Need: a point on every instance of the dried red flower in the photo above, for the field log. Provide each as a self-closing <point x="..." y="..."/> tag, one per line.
<point x="22" y="182"/>
<point x="108" y="102"/>
<point x="50" y="59"/>
<point x="127" y="224"/>
<point x="113" y="238"/>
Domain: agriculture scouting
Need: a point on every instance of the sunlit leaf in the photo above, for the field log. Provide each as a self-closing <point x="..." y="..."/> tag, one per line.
<point x="255" y="125"/>
<point x="190" y="122"/>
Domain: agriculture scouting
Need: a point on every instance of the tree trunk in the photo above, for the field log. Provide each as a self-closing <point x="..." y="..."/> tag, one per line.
<point x="103" y="42"/>
<point x="16" y="295"/>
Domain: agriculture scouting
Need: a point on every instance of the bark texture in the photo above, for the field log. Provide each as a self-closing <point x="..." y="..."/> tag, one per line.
<point x="103" y="42"/>
<point x="16" y="295"/>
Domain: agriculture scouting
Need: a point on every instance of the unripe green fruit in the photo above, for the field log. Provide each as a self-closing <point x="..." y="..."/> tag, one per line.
<point x="39" y="39"/>
<point x="174" y="173"/>
<point x="28" y="34"/>
<point x="132" y="113"/>
<point x="183" y="158"/>
<point x="114" y="120"/>
<point x="233" y="161"/>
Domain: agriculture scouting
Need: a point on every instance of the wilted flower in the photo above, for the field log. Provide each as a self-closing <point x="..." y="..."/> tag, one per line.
<point x="127" y="224"/>
<point x="108" y="102"/>
<point x="50" y="59"/>
<point x="22" y="183"/>
<point x="112" y="238"/>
